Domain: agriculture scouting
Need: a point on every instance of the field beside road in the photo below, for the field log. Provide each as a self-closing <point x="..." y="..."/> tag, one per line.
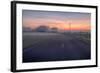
<point x="38" y="47"/>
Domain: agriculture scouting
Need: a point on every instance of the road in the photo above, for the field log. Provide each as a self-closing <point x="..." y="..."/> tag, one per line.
<point x="55" y="47"/>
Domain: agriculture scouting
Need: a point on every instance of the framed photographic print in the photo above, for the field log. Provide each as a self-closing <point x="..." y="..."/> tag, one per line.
<point x="47" y="36"/>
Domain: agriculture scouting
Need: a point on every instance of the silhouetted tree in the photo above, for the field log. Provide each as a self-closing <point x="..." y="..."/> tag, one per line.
<point x="54" y="29"/>
<point x="42" y="29"/>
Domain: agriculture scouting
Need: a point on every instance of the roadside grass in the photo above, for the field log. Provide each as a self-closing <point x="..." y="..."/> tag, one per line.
<point x="85" y="37"/>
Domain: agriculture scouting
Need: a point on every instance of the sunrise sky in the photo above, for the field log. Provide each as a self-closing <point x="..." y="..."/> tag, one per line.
<point x="61" y="20"/>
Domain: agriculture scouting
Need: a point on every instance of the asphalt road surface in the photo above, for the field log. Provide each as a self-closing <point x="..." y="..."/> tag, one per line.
<point x="54" y="47"/>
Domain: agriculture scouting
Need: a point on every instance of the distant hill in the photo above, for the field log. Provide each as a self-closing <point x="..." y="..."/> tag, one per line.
<point x="45" y="29"/>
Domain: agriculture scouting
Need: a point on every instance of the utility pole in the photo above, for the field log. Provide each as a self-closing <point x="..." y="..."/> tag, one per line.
<point x="70" y="27"/>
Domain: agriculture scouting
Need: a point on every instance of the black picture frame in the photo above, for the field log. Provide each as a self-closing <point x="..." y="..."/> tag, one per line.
<point x="13" y="35"/>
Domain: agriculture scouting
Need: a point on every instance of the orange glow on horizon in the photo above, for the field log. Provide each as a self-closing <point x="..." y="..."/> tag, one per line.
<point x="85" y="27"/>
<point x="61" y="25"/>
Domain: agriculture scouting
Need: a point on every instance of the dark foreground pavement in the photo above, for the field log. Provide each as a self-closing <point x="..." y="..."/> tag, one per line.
<point x="56" y="48"/>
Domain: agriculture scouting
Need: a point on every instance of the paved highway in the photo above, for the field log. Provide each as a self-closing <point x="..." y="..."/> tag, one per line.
<point x="54" y="47"/>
